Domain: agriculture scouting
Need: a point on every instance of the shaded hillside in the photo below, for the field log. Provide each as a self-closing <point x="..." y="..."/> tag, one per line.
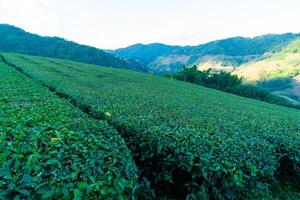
<point x="279" y="72"/>
<point x="16" y="40"/>
<point x="160" y="58"/>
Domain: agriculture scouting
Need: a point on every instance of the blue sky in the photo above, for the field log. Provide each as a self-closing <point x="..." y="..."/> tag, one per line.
<point x="119" y="23"/>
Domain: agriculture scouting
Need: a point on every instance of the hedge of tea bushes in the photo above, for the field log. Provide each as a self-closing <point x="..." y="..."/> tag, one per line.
<point x="51" y="150"/>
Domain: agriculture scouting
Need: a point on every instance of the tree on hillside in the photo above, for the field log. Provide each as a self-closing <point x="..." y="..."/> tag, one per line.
<point x="207" y="78"/>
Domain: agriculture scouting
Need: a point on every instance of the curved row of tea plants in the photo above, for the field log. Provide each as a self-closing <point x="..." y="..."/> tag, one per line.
<point x="188" y="140"/>
<point x="49" y="149"/>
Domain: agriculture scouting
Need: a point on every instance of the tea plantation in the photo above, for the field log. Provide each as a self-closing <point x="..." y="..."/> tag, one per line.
<point x="188" y="141"/>
<point x="49" y="149"/>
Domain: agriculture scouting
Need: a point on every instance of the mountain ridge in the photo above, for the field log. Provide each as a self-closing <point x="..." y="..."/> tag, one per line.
<point x="154" y="55"/>
<point x="17" y="40"/>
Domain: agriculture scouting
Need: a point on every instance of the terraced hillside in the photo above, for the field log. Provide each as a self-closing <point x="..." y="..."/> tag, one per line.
<point x="51" y="150"/>
<point x="187" y="140"/>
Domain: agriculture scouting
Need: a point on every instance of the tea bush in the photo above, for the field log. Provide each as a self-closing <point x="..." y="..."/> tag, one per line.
<point x="189" y="141"/>
<point x="51" y="150"/>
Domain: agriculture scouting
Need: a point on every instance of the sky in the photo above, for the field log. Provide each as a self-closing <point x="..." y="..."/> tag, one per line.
<point x="111" y="24"/>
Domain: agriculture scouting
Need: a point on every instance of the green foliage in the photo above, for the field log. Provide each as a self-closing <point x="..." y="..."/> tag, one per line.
<point x="283" y="73"/>
<point x="220" y="81"/>
<point x="293" y="47"/>
<point x="186" y="139"/>
<point x="51" y="150"/>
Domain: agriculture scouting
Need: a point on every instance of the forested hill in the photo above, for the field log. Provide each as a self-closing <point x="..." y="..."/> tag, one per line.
<point x="16" y="40"/>
<point x="160" y="58"/>
<point x="147" y="53"/>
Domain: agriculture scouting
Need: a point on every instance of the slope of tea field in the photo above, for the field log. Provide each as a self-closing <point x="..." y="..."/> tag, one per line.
<point x="189" y="141"/>
<point x="51" y="150"/>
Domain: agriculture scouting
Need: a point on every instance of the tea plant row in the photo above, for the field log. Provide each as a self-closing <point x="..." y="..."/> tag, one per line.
<point x="187" y="139"/>
<point x="51" y="150"/>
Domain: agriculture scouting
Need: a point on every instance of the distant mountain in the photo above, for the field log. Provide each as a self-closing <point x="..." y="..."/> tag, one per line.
<point x="147" y="53"/>
<point x="16" y="40"/>
<point x="160" y="58"/>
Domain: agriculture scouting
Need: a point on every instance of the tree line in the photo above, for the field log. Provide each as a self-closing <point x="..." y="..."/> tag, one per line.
<point x="229" y="83"/>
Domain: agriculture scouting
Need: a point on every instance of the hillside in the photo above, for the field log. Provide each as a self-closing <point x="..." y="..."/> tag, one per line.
<point x="16" y="40"/>
<point x="188" y="141"/>
<point x="270" y="60"/>
<point x="278" y="72"/>
<point x="160" y="58"/>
